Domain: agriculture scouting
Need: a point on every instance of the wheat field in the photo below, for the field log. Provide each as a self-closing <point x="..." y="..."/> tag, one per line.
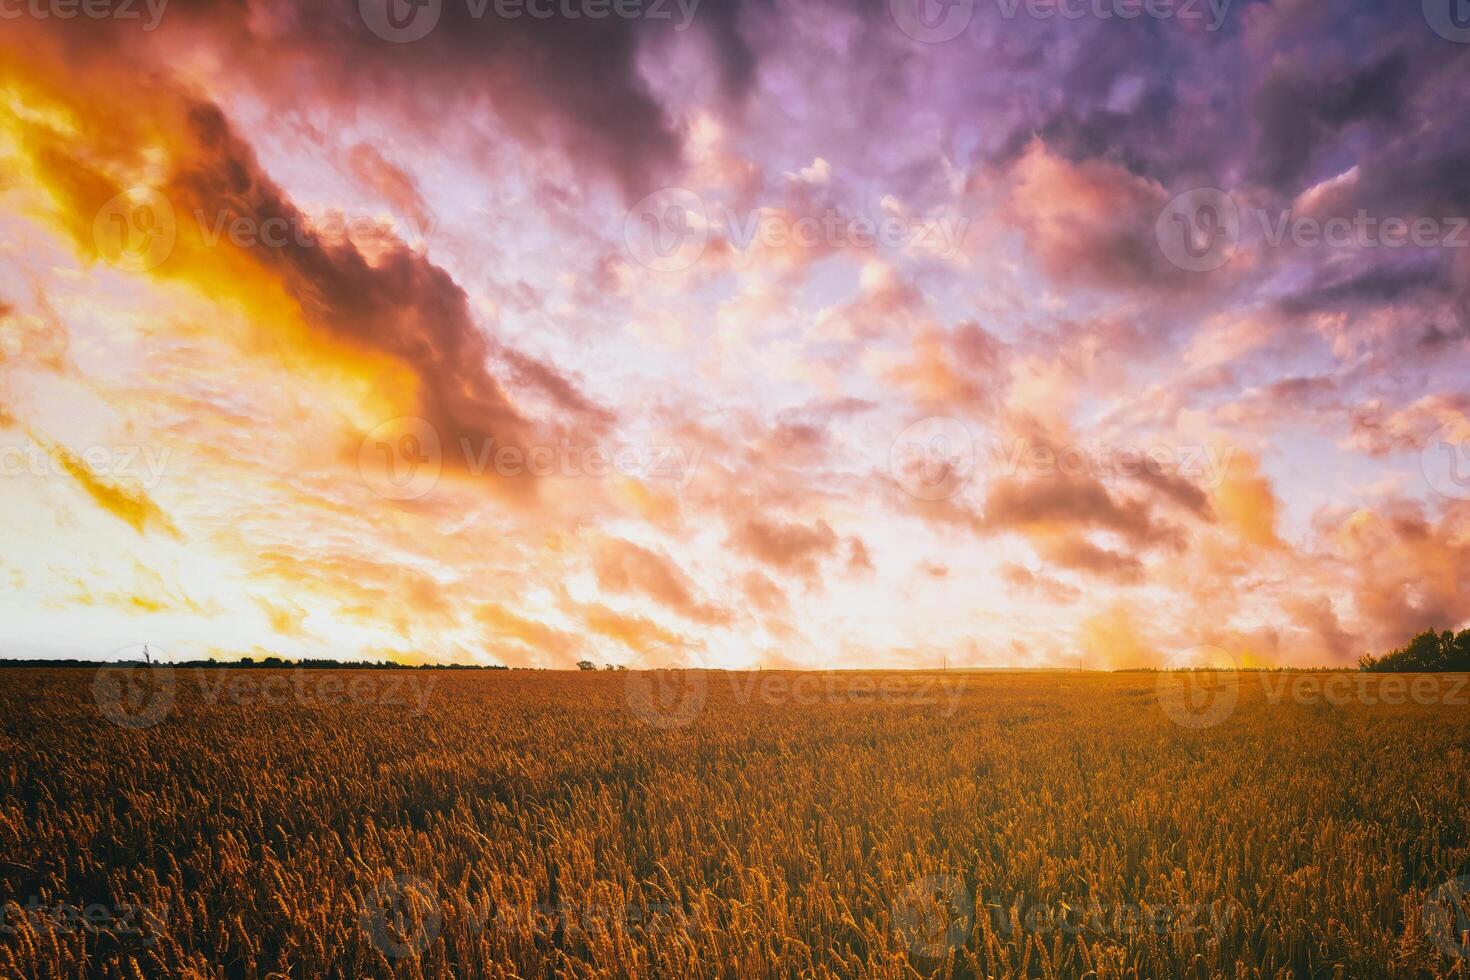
<point x="217" y="823"/>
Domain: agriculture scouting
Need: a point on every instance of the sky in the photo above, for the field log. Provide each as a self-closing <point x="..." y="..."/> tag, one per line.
<point x="828" y="333"/>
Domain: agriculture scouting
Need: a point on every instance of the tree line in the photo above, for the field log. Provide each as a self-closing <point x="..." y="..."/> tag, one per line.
<point x="1429" y="651"/>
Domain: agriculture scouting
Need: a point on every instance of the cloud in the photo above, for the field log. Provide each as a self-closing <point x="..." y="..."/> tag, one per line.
<point x="637" y="633"/>
<point x="1406" y="571"/>
<point x="393" y="183"/>
<point x="398" y="319"/>
<point x="364" y="589"/>
<point x="1114" y="638"/>
<point x="1089" y="223"/>
<point x="1374" y="285"/>
<point x="793" y="548"/>
<point x="1246" y="503"/>
<point x="960" y="369"/>
<point x="1377" y="430"/>
<point x="573" y="85"/>
<point x="623" y="566"/>
<point x="1301" y="110"/>
<point x="502" y="625"/>
<point x="763" y="593"/>
<point x="285" y="618"/>
<point x="130" y="505"/>
<point x="525" y="322"/>
<point x="885" y="303"/>
<point x="139" y="590"/>
<point x="1027" y="582"/>
<point x="1075" y="552"/>
<point x="1178" y="488"/>
<point x="1060" y="501"/>
<point x="1317" y="616"/>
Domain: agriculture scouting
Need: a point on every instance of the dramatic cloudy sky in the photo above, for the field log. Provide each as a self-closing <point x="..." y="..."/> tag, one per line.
<point x="814" y="333"/>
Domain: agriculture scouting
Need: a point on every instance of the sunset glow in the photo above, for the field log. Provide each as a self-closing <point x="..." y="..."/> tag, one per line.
<point x="734" y="335"/>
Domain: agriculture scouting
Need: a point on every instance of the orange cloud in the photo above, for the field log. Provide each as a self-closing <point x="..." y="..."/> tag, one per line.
<point x="1406" y="573"/>
<point x="790" y="547"/>
<point x="1090" y="222"/>
<point x="502" y="624"/>
<point x="1246" y="503"/>
<point x="399" y="595"/>
<point x="155" y="180"/>
<point x="132" y="506"/>
<point x="623" y="566"/>
<point x="634" y="632"/>
<point x="1113" y="639"/>
<point x="959" y="368"/>
<point x="285" y="617"/>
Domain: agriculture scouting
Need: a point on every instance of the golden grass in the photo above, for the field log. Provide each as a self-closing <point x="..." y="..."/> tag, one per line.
<point x="534" y="825"/>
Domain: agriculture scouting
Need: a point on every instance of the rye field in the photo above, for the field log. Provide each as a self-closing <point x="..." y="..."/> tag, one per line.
<point x="431" y="824"/>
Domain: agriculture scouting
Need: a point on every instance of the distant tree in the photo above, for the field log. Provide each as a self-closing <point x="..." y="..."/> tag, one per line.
<point x="1429" y="651"/>
<point x="586" y="665"/>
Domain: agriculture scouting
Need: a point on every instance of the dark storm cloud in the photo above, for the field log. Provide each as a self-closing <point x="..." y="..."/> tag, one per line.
<point x="1301" y="111"/>
<point x="398" y="304"/>
<point x="1371" y="285"/>
<point x="573" y="83"/>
